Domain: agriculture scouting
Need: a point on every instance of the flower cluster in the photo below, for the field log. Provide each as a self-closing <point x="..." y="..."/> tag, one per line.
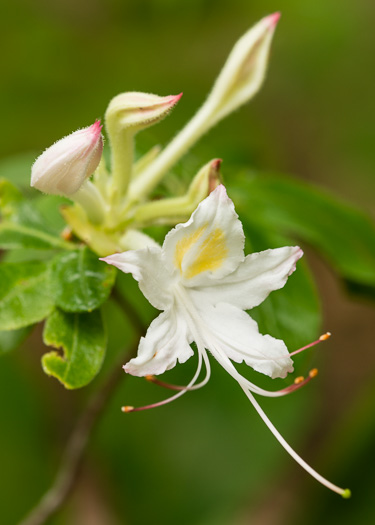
<point x="200" y="277"/>
<point x="112" y="208"/>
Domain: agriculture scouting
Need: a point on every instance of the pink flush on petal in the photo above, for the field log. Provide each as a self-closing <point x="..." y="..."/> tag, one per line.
<point x="96" y="128"/>
<point x="273" y="19"/>
<point x="63" y="167"/>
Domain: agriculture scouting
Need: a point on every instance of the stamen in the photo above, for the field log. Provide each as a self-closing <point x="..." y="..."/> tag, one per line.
<point x="245" y="383"/>
<point x="323" y="337"/>
<point x="153" y="379"/>
<point x="201" y="352"/>
<point x="345" y="493"/>
<point x="67" y="234"/>
<point x="299" y="382"/>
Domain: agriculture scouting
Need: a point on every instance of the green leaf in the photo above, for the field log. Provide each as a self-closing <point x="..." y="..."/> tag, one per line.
<point x="26" y="295"/>
<point x="49" y="209"/>
<point x="82" y="282"/>
<point x="293" y="313"/>
<point x="345" y="235"/>
<point x="11" y="339"/>
<point x="83" y="340"/>
<point x="16" y="236"/>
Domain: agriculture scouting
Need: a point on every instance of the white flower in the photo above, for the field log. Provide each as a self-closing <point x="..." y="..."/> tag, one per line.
<point x="202" y="281"/>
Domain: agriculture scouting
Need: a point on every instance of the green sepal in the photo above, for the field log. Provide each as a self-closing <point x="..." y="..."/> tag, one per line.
<point x="82" y="339"/>
<point x="82" y="282"/>
<point x="26" y="294"/>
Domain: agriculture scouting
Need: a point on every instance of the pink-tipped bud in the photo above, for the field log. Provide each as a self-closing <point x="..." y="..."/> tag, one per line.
<point x="64" y="167"/>
<point x="244" y="71"/>
<point x="207" y="179"/>
<point x="137" y="111"/>
<point x="272" y="19"/>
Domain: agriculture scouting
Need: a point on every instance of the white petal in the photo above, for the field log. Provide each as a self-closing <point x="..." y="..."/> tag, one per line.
<point x="149" y="270"/>
<point x="255" y="278"/>
<point x="167" y="340"/>
<point x="208" y="246"/>
<point x="237" y="335"/>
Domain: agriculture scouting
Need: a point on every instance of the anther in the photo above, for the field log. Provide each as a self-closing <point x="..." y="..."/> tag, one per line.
<point x="299" y="382"/>
<point x="323" y="337"/>
<point x="67" y="234"/>
<point x="127" y="409"/>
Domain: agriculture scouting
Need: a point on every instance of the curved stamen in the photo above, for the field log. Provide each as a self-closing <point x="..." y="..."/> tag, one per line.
<point x="323" y="337"/>
<point x="129" y="408"/>
<point x="345" y="493"/>
<point x="153" y="379"/>
<point x="225" y="362"/>
<point x="299" y="382"/>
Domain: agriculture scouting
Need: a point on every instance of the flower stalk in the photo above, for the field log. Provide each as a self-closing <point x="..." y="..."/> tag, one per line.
<point x="239" y="80"/>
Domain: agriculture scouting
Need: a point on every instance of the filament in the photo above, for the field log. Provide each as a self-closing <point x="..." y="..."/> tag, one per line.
<point x="129" y="408"/>
<point x="345" y="493"/>
<point x="323" y="337"/>
<point x="228" y="366"/>
<point x="153" y="379"/>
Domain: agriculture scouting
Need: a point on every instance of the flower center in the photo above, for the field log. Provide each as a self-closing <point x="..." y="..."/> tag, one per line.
<point x="203" y="250"/>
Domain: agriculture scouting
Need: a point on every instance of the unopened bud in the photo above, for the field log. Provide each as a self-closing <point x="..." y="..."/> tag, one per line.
<point x="244" y="70"/>
<point x="137" y="111"/>
<point x="206" y="180"/>
<point x="177" y="209"/>
<point x="64" y="167"/>
<point x="239" y="80"/>
<point x="127" y="114"/>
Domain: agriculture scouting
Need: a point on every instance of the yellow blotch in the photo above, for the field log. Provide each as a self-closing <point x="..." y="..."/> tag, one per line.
<point x="211" y="255"/>
<point x="184" y="245"/>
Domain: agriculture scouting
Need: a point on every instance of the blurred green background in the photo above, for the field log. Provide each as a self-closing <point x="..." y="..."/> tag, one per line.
<point x="208" y="459"/>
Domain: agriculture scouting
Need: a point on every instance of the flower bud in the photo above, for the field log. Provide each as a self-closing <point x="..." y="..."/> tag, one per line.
<point x="206" y="180"/>
<point x="244" y="70"/>
<point x="138" y="111"/>
<point x="239" y="80"/>
<point x="127" y="114"/>
<point x="176" y="209"/>
<point x="64" y="167"/>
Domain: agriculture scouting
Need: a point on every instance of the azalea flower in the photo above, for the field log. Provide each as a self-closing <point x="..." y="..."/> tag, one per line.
<point x="203" y="282"/>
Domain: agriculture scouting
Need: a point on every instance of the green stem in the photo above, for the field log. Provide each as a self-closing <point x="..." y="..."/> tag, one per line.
<point x="89" y="197"/>
<point x="188" y="136"/>
<point x="122" y="147"/>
